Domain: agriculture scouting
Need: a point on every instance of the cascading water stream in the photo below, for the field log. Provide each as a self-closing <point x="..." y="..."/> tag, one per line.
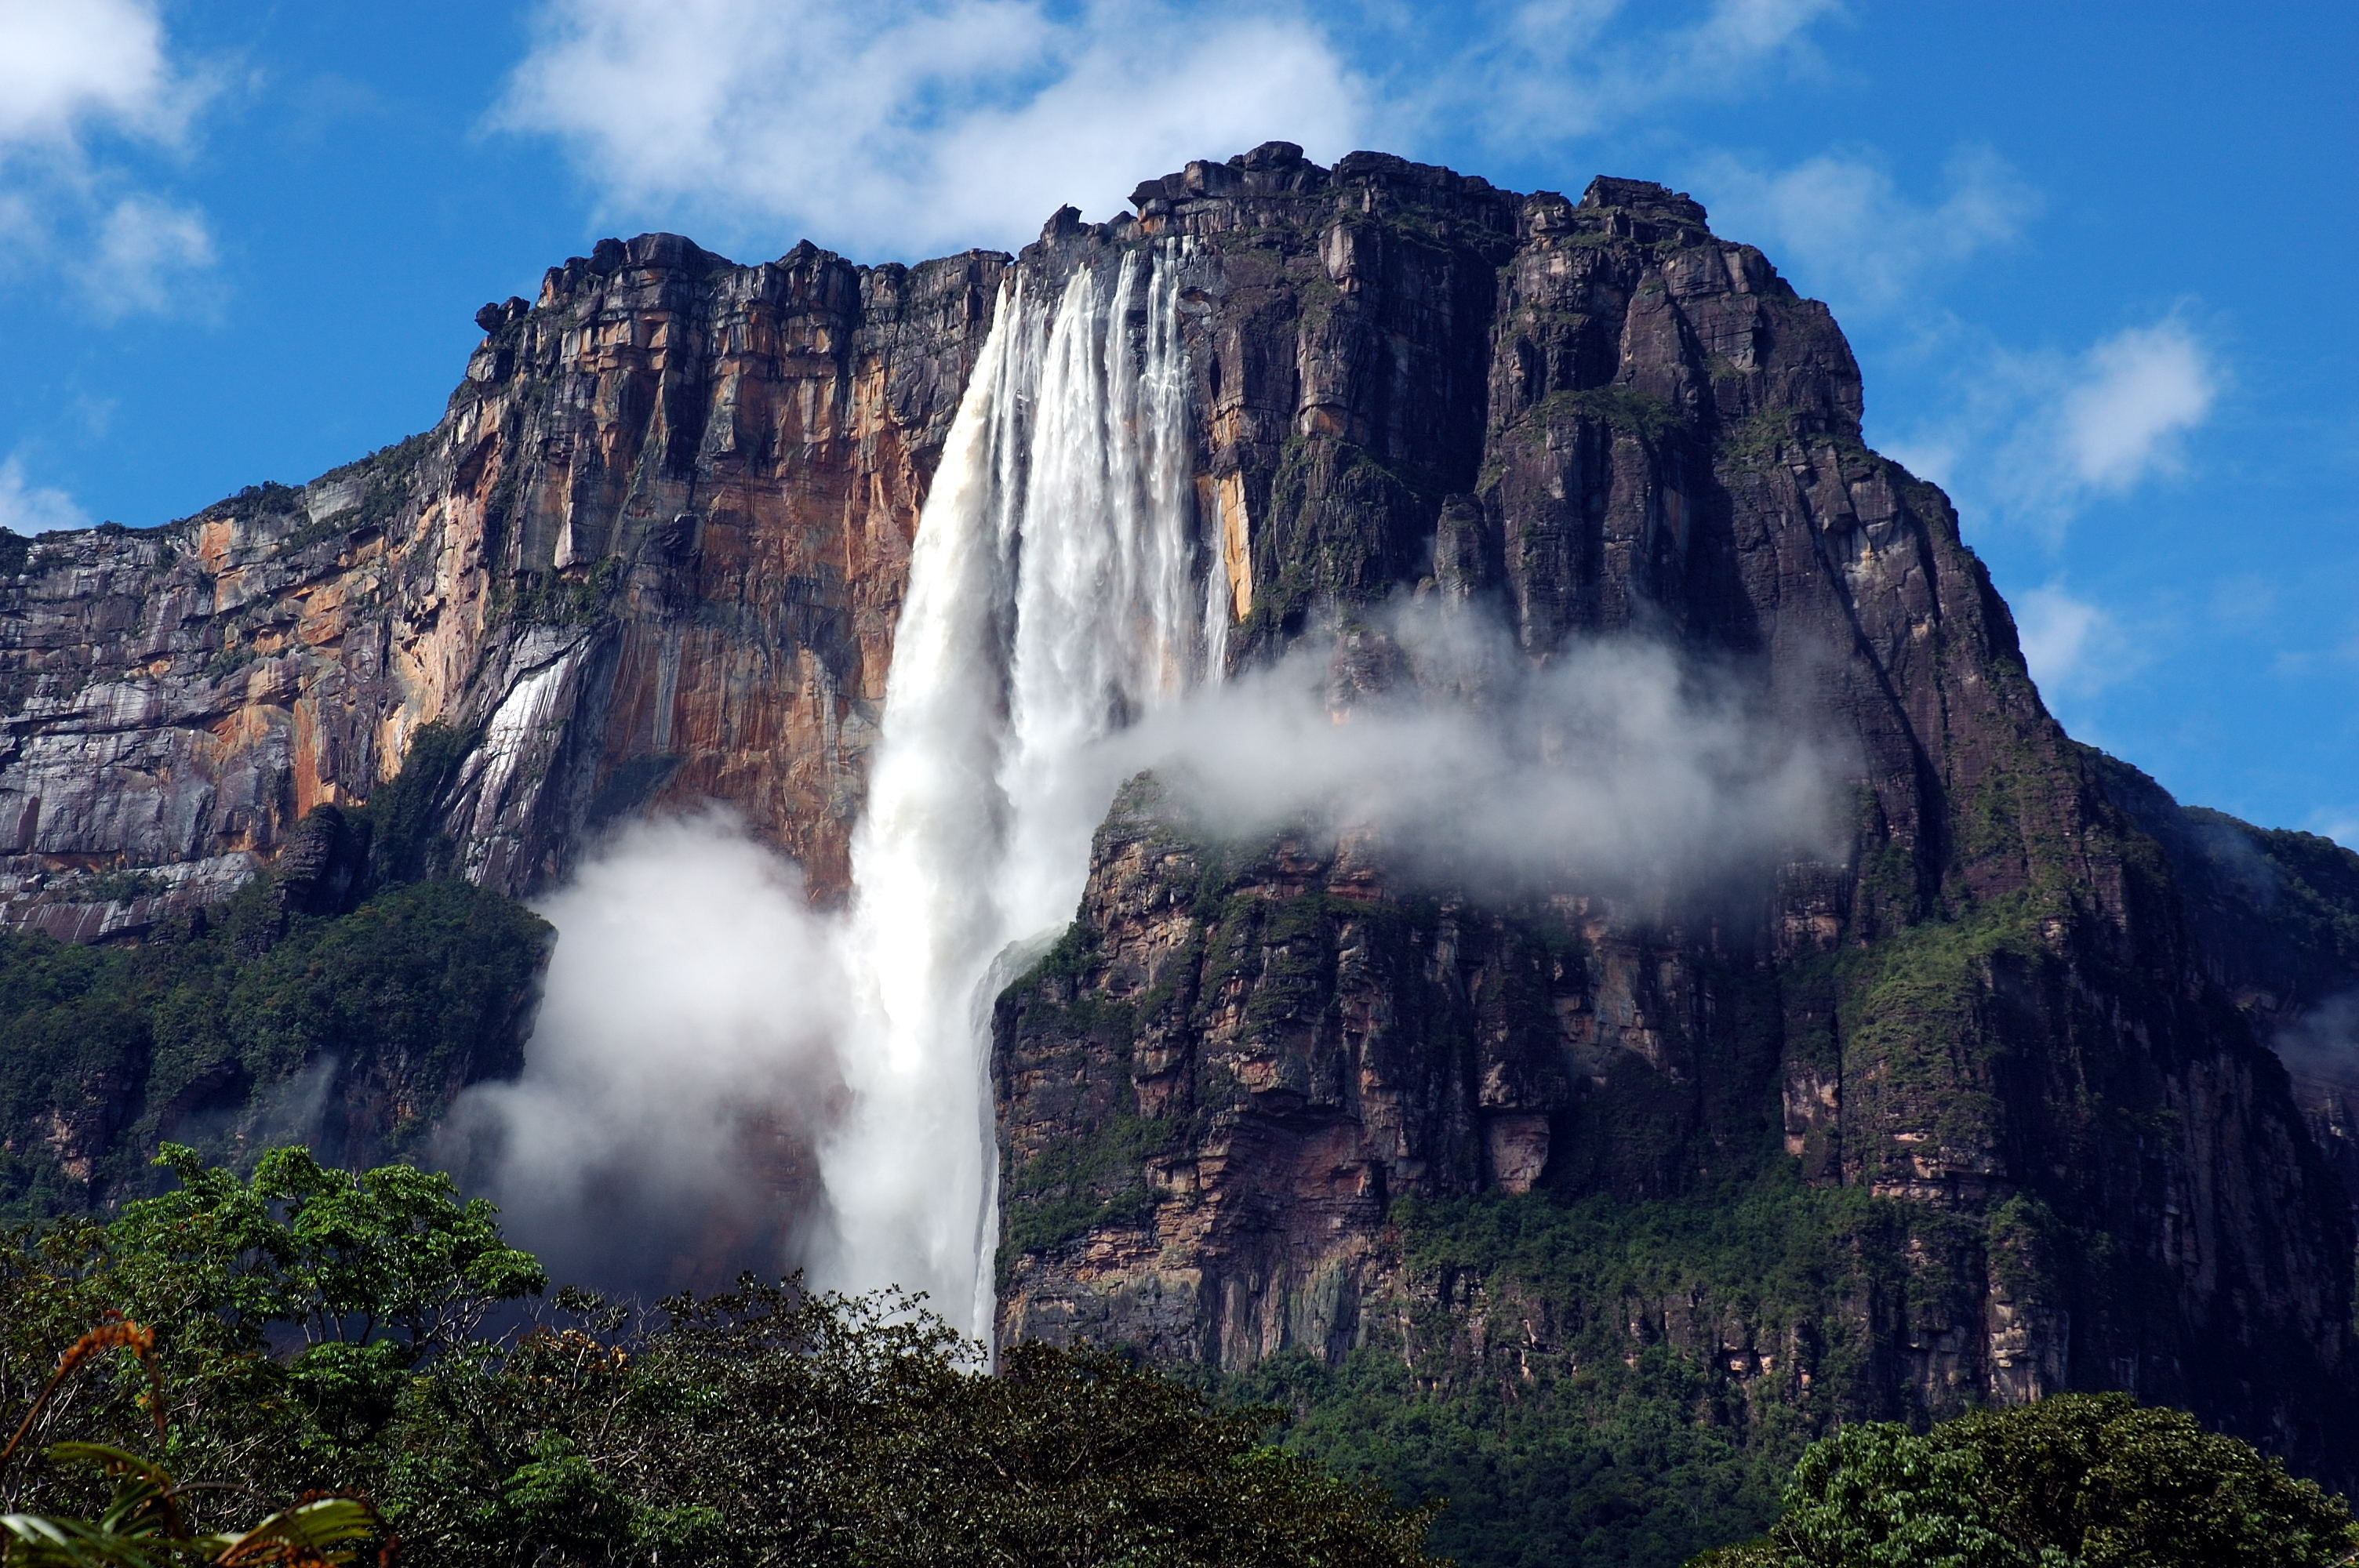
<point x="1053" y="598"/>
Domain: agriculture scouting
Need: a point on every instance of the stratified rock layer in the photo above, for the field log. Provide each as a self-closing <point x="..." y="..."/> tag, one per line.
<point x="653" y="554"/>
<point x="1992" y="1012"/>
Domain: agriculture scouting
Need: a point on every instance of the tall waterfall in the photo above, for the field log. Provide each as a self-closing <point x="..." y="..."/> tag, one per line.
<point x="1054" y="596"/>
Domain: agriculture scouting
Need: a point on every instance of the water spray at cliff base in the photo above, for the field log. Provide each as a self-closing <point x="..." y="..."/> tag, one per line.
<point x="709" y="1044"/>
<point x="1053" y="594"/>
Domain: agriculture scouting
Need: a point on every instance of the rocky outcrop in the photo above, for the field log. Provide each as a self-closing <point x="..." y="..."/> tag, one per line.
<point x="1993" y="1011"/>
<point x="2275" y="917"/>
<point x="652" y="552"/>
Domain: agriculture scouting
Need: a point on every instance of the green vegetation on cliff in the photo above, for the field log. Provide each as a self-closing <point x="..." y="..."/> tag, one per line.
<point x="1602" y="1381"/>
<point x="344" y="1002"/>
<point x="216" y="1033"/>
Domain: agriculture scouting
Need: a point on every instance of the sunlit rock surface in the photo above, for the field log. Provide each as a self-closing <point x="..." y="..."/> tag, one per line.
<point x="653" y="554"/>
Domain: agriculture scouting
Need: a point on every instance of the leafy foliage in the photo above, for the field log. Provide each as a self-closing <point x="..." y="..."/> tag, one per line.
<point x="2076" y="1481"/>
<point x="324" y="1330"/>
<point x="142" y="1524"/>
<point x="1592" y="1416"/>
<point x="202" y="1035"/>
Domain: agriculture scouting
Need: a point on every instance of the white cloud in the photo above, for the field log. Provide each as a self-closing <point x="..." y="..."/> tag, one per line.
<point x="150" y="252"/>
<point x="1544" y="71"/>
<point x="1842" y="227"/>
<point x="2074" y="647"/>
<point x="84" y="87"/>
<point x="67" y="69"/>
<point x="681" y="1068"/>
<point x="2034" y="439"/>
<point x="27" y="508"/>
<point x="2136" y="395"/>
<point x="908" y="125"/>
<point x="1617" y="767"/>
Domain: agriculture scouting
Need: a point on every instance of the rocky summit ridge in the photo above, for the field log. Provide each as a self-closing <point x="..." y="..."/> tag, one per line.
<point x="2001" y="1066"/>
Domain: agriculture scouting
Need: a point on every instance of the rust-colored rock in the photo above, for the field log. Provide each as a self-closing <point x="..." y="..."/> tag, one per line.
<point x="652" y="553"/>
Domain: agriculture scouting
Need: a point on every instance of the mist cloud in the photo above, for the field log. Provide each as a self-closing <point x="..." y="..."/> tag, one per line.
<point x="681" y="1069"/>
<point x="2321" y="1046"/>
<point x="706" y="1050"/>
<point x="1618" y="767"/>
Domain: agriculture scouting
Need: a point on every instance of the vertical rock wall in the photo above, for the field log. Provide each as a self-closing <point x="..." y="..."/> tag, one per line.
<point x="1989" y="1015"/>
<point x="653" y="552"/>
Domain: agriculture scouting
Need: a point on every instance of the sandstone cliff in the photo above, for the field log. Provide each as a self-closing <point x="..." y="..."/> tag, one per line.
<point x="653" y="554"/>
<point x="1995" y="1011"/>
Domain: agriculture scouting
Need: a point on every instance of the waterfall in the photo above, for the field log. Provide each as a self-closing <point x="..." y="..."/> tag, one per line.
<point x="1054" y="597"/>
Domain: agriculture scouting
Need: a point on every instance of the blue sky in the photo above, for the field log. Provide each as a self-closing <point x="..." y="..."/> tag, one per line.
<point x="2095" y="257"/>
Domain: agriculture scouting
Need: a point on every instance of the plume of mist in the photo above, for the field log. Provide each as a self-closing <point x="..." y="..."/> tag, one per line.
<point x="2321" y="1046"/>
<point x="710" y="1087"/>
<point x="1617" y="767"/>
<point x="682" y="1067"/>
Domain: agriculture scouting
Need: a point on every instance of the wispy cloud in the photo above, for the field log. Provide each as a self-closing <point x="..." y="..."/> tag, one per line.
<point x="910" y="124"/>
<point x="27" y="508"/>
<point x="1545" y="71"/>
<point x="83" y="88"/>
<point x="2074" y="646"/>
<point x="2135" y="398"/>
<point x="1844" y="228"/>
<point x="2034" y="439"/>
<point x="905" y="124"/>
<point x="151" y="257"/>
<point x="68" y="70"/>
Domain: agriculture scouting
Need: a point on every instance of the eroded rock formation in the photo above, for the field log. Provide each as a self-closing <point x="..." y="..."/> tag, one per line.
<point x="653" y="552"/>
<point x="1994" y="1010"/>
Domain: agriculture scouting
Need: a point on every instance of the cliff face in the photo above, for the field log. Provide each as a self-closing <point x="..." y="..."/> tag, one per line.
<point x="1993" y="1013"/>
<point x="1998" y="1056"/>
<point x="653" y="552"/>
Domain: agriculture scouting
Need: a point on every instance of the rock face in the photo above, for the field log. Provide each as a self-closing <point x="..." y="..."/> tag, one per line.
<point x="1998" y="1010"/>
<point x="653" y="554"/>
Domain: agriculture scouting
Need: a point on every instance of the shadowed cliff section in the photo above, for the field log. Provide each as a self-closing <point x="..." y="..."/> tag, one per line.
<point x="1267" y="1107"/>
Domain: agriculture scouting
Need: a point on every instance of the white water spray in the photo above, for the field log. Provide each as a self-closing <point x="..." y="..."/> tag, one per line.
<point x="1053" y="599"/>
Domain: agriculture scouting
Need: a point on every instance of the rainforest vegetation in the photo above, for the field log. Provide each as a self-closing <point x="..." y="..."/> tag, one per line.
<point x="306" y="1364"/>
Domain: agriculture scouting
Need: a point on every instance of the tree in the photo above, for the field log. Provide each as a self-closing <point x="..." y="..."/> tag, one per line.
<point x="2076" y="1481"/>
<point x="143" y="1523"/>
<point x="317" y="1328"/>
<point x="351" y="1259"/>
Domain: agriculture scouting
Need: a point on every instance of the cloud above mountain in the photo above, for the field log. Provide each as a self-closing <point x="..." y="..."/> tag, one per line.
<point x="1843" y="225"/>
<point x="29" y="508"/>
<point x="914" y="126"/>
<point x="2034" y="439"/>
<point x="86" y="91"/>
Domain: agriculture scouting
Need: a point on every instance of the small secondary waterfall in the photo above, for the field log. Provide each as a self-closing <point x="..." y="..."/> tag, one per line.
<point x="1054" y="597"/>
